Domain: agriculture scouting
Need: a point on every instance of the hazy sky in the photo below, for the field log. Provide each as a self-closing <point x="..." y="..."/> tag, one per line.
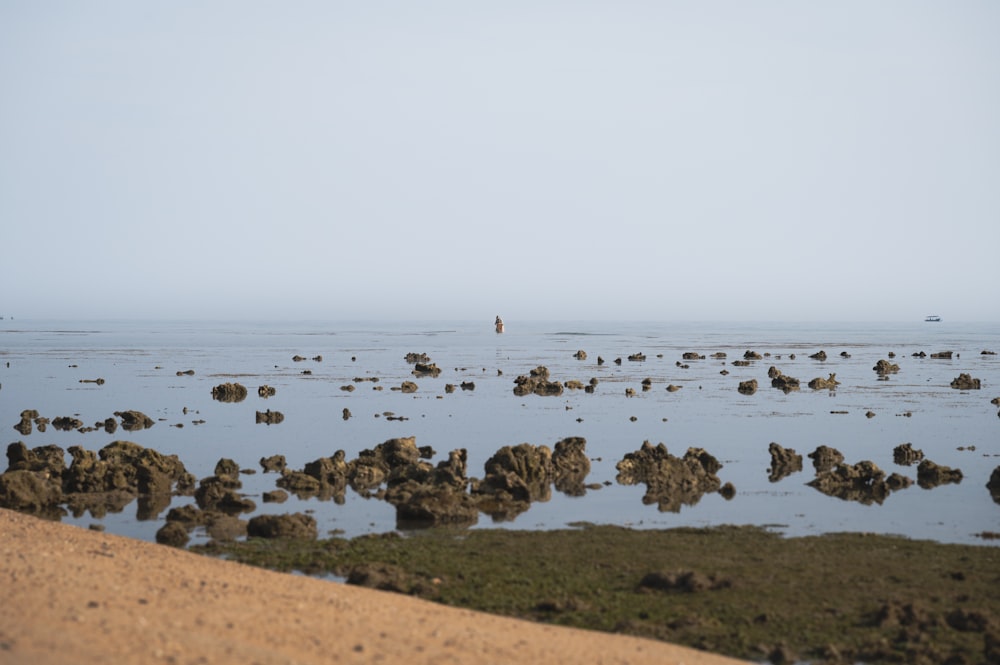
<point x="537" y="159"/>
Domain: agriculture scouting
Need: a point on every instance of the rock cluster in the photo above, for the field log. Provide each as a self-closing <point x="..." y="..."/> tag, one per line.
<point x="671" y="481"/>
<point x="884" y="367"/>
<point x="38" y="481"/>
<point x="863" y="482"/>
<point x="537" y="382"/>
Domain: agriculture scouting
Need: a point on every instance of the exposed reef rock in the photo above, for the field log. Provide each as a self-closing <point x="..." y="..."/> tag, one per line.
<point x="414" y="358"/>
<point x="824" y="384"/>
<point x="537" y="382"/>
<point x="994" y="485"/>
<point x="426" y="369"/>
<point x="784" y="462"/>
<point x="820" y="355"/>
<point x="266" y="391"/>
<point x="965" y="382"/>
<point x="906" y="455"/>
<point x="38" y="480"/>
<point x="863" y="482"/>
<point x="884" y="367"/>
<point x="931" y="475"/>
<point x="748" y="387"/>
<point x="270" y="417"/>
<point x="825" y="458"/>
<point x="229" y="392"/>
<point x="671" y="482"/>
<point x="295" y="525"/>
<point x="786" y="384"/>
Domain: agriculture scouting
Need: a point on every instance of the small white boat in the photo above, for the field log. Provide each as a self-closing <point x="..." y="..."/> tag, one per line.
<point x="933" y="318"/>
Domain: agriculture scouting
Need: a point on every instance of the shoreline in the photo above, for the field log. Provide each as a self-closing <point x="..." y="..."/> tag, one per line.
<point x="94" y="597"/>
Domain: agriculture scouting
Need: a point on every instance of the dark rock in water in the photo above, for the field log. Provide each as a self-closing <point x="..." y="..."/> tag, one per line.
<point x="426" y="369"/>
<point x="748" y="387"/>
<point x="134" y="420"/>
<point x="994" y="485"/>
<point x="275" y="496"/>
<point x="931" y="475"/>
<point x="425" y="504"/>
<point x="884" y="367"/>
<point x="295" y="525"/>
<point x="173" y="534"/>
<point x="110" y="425"/>
<point x="266" y="391"/>
<point x="752" y="355"/>
<point x="580" y="355"/>
<point x="324" y="478"/>
<point x="227" y="467"/>
<point x="25" y="426"/>
<point x="190" y="516"/>
<point x="516" y="476"/>
<point x="223" y="527"/>
<point x="537" y="382"/>
<point x="407" y="387"/>
<point x="773" y="372"/>
<point x="825" y="458"/>
<point x="570" y="466"/>
<point x="965" y="382"/>
<point x="824" y="384"/>
<point x="270" y="417"/>
<point x="670" y="481"/>
<point x="863" y="482"/>
<point x="691" y="355"/>
<point x="346" y="414"/>
<point x="820" y="355"/>
<point x="905" y="454"/>
<point x="784" y="462"/>
<point x="637" y="357"/>
<point x="273" y="463"/>
<point x="942" y="355"/>
<point x="67" y="423"/>
<point x="467" y="385"/>
<point x="786" y="384"/>
<point x="229" y="392"/>
<point x="414" y="358"/>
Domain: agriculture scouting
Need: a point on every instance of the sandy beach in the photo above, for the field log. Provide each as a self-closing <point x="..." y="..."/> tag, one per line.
<point x="73" y="595"/>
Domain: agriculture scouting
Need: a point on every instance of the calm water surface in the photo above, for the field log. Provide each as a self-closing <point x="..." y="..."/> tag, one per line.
<point x="43" y="362"/>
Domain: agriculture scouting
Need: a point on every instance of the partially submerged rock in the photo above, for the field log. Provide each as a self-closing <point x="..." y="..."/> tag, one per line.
<point x="229" y="392"/>
<point x="884" y="367"/>
<point x="671" y="481"/>
<point x="270" y="417"/>
<point x="863" y="482"/>
<point x="965" y="382"/>
<point x="825" y="458"/>
<point x="747" y="387"/>
<point x="784" y="462"/>
<point x="537" y="382"/>
<point x="905" y="454"/>
<point x="931" y="475"/>
<point x="824" y="384"/>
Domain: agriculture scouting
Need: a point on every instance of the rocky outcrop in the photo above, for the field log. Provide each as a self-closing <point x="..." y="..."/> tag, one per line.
<point x="270" y="417"/>
<point x="824" y="384"/>
<point x="965" y="382"/>
<point x="884" y="367"/>
<point x="266" y="391"/>
<point x="295" y="525"/>
<point x="426" y="369"/>
<point x="671" y="482"/>
<point x="820" y="355"/>
<point x="784" y="462"/>
<point x="38" y="480"/>
<point x="994" y="485"/>
<point x="906" y="455"/>
<point x="229" y="392"/>
<point x="863" y="482"/>
<point x="931" y="475"/>
<point x="748" y="387"/>
<point x="785" y="384"/>
<point x="825" y="458"/>
<point x="537" y="382"/>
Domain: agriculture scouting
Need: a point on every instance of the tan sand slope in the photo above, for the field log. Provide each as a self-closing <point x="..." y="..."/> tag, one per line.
<point x="75" y="596"/>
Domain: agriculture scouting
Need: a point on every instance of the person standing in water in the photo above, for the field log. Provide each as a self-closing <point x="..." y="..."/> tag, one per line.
<point x="499" y="324"/>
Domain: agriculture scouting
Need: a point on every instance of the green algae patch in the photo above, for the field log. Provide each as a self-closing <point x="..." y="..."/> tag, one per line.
<point x="740" y="591"/>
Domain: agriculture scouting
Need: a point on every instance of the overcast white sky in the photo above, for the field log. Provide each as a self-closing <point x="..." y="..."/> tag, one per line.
<point x="696" y="160"/>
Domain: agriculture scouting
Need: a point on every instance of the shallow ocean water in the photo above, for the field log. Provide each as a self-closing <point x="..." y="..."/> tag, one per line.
<point x="42" y="364"/>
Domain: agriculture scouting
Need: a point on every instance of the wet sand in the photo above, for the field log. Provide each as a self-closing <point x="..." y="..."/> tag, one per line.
<point x="73" y="595"/>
